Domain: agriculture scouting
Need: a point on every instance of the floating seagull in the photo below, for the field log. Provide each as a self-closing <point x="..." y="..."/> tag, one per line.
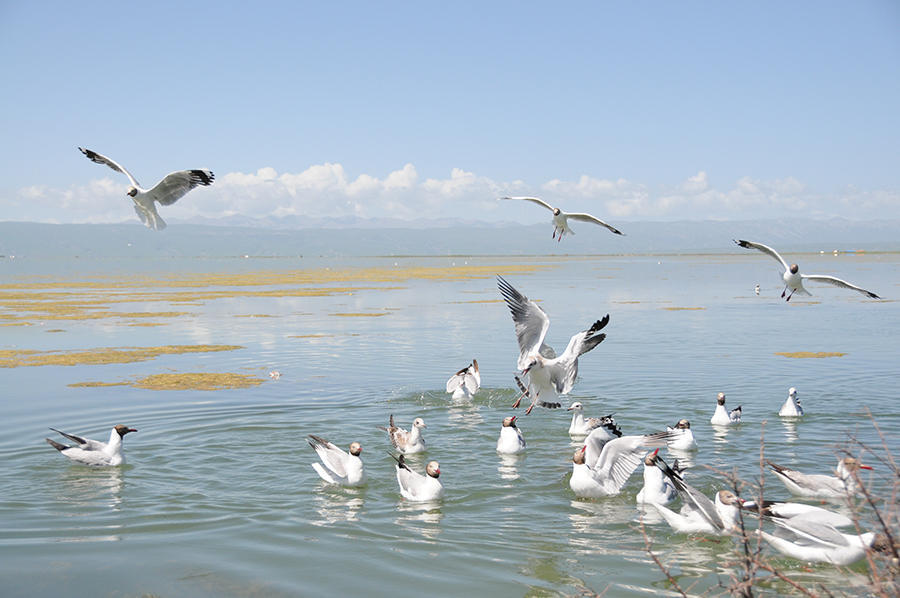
<point x="417" y="487"/>
<point x="596" y="474"/>
<point x="511" y="440"/>
<point x="791" y="510"/>
<point x="274" y="374"/>
<point x="722" y="417"/>
<point x="466" y="382"/>
<point x="657" y="488"/>
<point x="548" y="375"/>
<point x="700" y="514"/>
<point x="169" y="190"/>
<point x="793" y="280"/>
<point x="756" y="289"/>
<point x="820" y="485"/>
<point x="94" y="452"/>
<point x="338" y="467"/>
<point x="791" y="407"/>
<point x="407" y="442"/>
<point x="810" y="541"/>
<point x="561" y="219"/>
<point x="582" y="426"/>
<point x="680" y="437"/>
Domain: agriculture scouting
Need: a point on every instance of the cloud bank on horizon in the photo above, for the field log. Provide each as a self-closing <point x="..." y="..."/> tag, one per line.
<point x="327" y="191"/>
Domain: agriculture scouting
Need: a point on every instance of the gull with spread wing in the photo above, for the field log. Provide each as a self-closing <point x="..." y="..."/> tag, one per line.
<point x="548" y="375"/>
<point x="466" y="382"/>
<point x="338" y="467"/>
<point x="603" y="465"/>
<point x="561" y="219"/>
<point x="793" y="280"/>
<point x="169" y="190"/>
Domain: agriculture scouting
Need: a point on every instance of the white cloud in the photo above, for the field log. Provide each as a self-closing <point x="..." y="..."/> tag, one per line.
<point x="326" y="190"/>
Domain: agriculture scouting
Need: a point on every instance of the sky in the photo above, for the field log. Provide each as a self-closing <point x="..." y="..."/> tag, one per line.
<point x="633" y="111"/>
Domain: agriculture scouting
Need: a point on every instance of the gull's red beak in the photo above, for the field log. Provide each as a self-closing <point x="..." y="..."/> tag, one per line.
<point x="861" y="466"/>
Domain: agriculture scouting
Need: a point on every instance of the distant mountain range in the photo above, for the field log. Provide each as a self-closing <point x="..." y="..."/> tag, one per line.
<point x="286" y="237"/>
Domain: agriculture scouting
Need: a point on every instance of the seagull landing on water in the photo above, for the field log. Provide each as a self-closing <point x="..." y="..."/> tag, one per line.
<point x="561" y="219"/>
<point x="793" y="280"/>
<point x="94" y="452"/>
<point x="548" y="375"/>
<point x="466" y="382"/>
<point x="169" y="190"/>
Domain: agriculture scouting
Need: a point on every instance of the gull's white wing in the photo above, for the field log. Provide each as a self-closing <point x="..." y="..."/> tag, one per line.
<point x="331" y="455"/>
<point x="476" y="374"/>
<point x="101" y="159"/>
<point x="531" y="321"/>
<point x="455" y="381"/>
<point x="85" y="444"/>
<point x="590" y="218"/>
<point x="593" y="445"/>
<point x="177" y="184"/>
<point x="696" y="500"/>
<point x="838" y="283"/>
<point x="765" y="249"/>
<point x="819" y="533"/>
<point x="536" y="200"/>
<point x="567" y="364"/>
<point x="619" y="459"/>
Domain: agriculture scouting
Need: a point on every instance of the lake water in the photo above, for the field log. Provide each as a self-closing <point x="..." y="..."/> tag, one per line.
<point x="219" y="499"/>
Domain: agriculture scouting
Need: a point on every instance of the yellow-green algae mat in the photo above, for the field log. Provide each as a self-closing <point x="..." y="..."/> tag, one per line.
<point x="810" y="354"/>
<point x="14" y="359"/>
<point x="187" y="381"/>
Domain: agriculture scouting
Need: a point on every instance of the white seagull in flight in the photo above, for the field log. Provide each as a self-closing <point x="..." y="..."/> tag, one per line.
<point x="561" y="219"/>
<point x="547" y="373"/>
<point x="169" y="190"/>
<point x="793" y="280"/>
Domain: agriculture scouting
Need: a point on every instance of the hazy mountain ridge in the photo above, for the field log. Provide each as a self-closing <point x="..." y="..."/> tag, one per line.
<point x="183" y="239"/>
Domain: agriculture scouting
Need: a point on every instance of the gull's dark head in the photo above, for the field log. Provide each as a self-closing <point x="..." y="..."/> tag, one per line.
<point x="509" y="422"/>
<point x="123" y="430"/>
<point x="578" y="457"/>
<point x="683" y="424"/>
<point x="132" y="191"/>
<point x="355" y="449"/>
<point x="794" y="268"/>
<point x="433" y="469"/>
<point x="721" y="398"/>
<point x="556" y="211"/>
<point x="651" y="458"/>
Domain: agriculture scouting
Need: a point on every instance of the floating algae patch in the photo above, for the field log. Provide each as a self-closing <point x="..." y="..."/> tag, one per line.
<point x="14" y="359"/>
<point x="254" y="316"/>
<point x="361" y="315"/>
<point x="96" y="384"/>
<point x="197" y="381"/>
<point x="810" y="354"/>
<point x="683" y="308"/>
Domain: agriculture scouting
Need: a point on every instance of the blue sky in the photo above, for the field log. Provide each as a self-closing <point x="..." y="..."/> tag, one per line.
<point x="631" y="110"/>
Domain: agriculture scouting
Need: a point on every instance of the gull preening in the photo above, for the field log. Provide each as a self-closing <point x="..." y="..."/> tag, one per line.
<point x="814" y="485"/>
<point x="407" y="442"/>
<point x="338" y="467"/>
<point x="466" y="382"/>
<point x="700" y="514"/>
<point x="548" y="375"/>
<point x="605" y="462"/>
<point x="791" y="407"/>
<point x="511" y="440"/>
<point x="561" y="219"/>
<point x="94" y="452"/>
<point x="813" y="541"/>
<point x="792" y="278"/>
<point x="169" y="190"/>
<point x="722" y="417"/>
<point x="681" y="438"/>
<point x="417" y="487"/>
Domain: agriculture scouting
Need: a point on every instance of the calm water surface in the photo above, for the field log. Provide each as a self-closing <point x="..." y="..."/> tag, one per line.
<point x="218" y="497"/>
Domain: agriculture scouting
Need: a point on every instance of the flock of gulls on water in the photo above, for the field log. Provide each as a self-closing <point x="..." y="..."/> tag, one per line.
<point x="607" y="459"/>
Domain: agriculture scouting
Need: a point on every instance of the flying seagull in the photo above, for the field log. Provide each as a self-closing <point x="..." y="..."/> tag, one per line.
<point x="561" y="219"/>
<point x="169" y="190"/>
<point x="793" y="280"/>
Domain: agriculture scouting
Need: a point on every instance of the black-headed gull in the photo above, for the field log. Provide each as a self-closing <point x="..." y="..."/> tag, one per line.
<point x="596" y="474"/>
<point x="548" y="375"/>
<point x="466" y="382"/>
<point x="700" y="514"/>
<point x="792" y="278"/>
<point x="681" y="438"/>
<point x="169" y="190"/>
<point x="722" y="417"/>
<point x="581" y="425"/>
<point x="811" y="541"/>
<point x="338" y="467"/>
<point x="791" y="510"/>
<point x="561" y="219"/>
<point x="417" y="487"/>
<point x="511" y="440"/>
<point x="407" y="442"/>
<point x="94" y="452"/>
<point x="792" y="406"/>
<point x="841" y="485"/>
<point x="657" y="488"/>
